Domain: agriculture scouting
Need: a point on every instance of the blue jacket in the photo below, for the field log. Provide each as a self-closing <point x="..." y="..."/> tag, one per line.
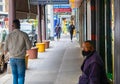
<point x="93" y="71"/>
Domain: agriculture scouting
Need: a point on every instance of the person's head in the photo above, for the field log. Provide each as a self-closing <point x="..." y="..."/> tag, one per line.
<point x="16" y="24"/>
<point x="87" y="47"/>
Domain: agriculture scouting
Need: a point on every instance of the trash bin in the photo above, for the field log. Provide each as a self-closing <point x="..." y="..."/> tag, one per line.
<point x="26" y="60"/>
<point x="41" y="47"/>
<point x="46" y="43"/>
<point x="9" y="68"/>
<point x="33" y="53"/>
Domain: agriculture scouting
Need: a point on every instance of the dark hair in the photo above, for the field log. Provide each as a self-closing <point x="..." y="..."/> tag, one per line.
<point x="17" y="23"/>
<point x="90" y="42"/>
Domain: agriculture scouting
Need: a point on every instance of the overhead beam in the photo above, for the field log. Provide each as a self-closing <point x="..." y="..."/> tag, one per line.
<point x="44" y="2"/>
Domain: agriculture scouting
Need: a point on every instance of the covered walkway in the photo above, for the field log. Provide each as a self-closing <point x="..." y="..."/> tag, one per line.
<point x="59" y="64"/>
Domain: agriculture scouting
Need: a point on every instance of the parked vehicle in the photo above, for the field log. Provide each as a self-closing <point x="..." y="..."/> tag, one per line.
<point x="30" y="30"/>
<point x="3" y="58"/>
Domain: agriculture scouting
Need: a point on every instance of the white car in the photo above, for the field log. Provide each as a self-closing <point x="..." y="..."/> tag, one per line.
<point x="29" y="29"/>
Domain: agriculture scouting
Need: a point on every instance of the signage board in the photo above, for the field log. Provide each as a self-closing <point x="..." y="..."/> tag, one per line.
<point x="62" y="6"/>
<point x="62" y="10"/>
<point x="35" y="2"/>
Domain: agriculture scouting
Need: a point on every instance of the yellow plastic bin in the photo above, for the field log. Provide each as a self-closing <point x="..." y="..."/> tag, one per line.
<point x="26" y="60"/>
<point x="41" y="47"/>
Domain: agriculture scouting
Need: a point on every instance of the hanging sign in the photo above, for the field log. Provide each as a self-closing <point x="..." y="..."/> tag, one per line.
<point x="57" y="10"/>
<point x="62" y="6"/>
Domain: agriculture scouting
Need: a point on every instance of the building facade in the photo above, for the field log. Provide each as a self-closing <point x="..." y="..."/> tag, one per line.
<point x="3" y="13"/>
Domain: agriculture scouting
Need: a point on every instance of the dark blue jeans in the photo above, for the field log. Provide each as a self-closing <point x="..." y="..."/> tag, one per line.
<point x="18" y="70"/>
<point x="71" y="35"/>
<point x="58" y="35"/>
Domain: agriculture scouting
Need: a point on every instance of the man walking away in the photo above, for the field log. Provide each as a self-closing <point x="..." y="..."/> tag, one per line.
<point x="16" y="43"/>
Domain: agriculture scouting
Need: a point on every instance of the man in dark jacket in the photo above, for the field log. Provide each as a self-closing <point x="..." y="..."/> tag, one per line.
<point x="93" y="71"/>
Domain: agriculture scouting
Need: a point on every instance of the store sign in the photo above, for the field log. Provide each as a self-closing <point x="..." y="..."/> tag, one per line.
<point x="49" y="2"/>
<point x="57" y="10"/>
<point x="62" y="6"/>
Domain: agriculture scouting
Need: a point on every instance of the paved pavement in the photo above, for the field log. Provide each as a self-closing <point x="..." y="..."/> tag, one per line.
<point x="59" y="64"/>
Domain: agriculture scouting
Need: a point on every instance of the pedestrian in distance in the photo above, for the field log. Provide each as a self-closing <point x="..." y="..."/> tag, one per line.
<point x="71" y="30"/>
<point x="16" y="43"/>
<point x="58" y="31"/>
<point x="93" y="71"/>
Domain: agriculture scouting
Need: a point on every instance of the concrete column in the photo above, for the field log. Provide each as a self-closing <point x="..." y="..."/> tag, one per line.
<point x="117" y="42"/>
<point x="93" y="22"/>
<point x="39" y="24"/>
<point x="50" y="13"/>
<point x="43" y="23"/>
<point x="12" y="13"/>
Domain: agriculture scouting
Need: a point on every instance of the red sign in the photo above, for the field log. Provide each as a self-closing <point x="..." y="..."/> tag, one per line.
<point x="62" y="10"/>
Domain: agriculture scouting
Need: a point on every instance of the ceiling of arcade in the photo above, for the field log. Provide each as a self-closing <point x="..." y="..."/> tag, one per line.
<point x="24" y="9"/>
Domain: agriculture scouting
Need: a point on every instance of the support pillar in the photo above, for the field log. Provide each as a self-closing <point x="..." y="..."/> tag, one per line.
<point x="43" y="23"/>
<point x="93" y="22"/>
<point x="12" y="13"/>
<point x="39" y="24"/>
<point x="102" y="29"/>
<point x="117" y="42"/>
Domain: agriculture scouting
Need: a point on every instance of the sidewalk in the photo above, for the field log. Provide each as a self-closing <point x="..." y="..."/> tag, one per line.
<point x="59" y="64"/>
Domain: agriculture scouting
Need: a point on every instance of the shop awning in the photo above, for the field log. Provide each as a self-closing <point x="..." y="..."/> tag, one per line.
<point x="26" y="10"/>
